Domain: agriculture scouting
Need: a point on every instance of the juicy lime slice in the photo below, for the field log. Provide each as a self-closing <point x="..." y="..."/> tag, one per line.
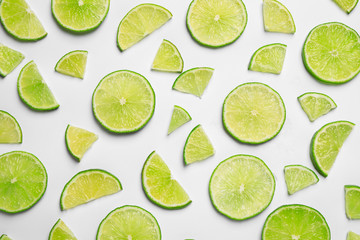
<point x="87" y="186"/>
<point x="326" y="144"/>
<point x="179" y="117"/>
<point x="253" y="113"/>
<point x="295" y="222"/>
<point x="168" y="58"/>
<point x="23" y="181"/>
<point x="20" y="21"/>
<point x="78" y="141"/>
<point x="277" y="17"/>
<point x="80" y="15"/>
<point x="140" y="22"/>
<point x="73" y="64"/>
<point x="269" y="58"/>
<point x="61" y="232"/>
<point x="9" y="59"/>
<point x="352" y="201"/>
<point x="129" y="222"/>
<point x="160" y="186"/>
<point x="241" y="187"/>
<point x="10" y="130"/>
<point x="4" y="237"/>
<point x="198" y="146"/>
<point x="216" y="23"/>
<point x="316" y="104"/>
<point x="352" y="236"/>
<point x="123" y="102"/>
<point x="346" y="5"/>
<point x="298" y="177"/>
<point x="331" y="52"/>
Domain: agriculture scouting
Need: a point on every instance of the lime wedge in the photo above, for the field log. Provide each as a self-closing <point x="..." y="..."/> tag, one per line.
<point x="78" y="141"/>
<point x="140" y="22"/>
<point x="352" y="236"/>
<point x="253" y="113"/>
<point x="4" y="237"/>
<point x="331" y="52"/>
<point x="216" y="23"/>
<point x="179" y="117"/>
<point x="80" y="15"/>
<point x="346" y="5"/>
<point x="123" y="102"/>
<point x="61" y="232"/>
<point x="9" y="60"/>
<point x="316" y="105"/>
<point x="326" y="144"/>
<point x="87" y="186"/>
<point x="197" y="146"/>
<point x="168" y="58"/>
<point x="129" y="222"/>
<point x="20" y="21"/>
<point x="73" y="64"/>
<point x="241" y="187"/>
<point x="295" y="222"/>
<point x="269" y="58"/>
<point x="23" y="181"/>
<point x="352" y="201"/>
<point x="298" y="177"/>
<point x="277" y="17"/>
<point x="10" y="130"/>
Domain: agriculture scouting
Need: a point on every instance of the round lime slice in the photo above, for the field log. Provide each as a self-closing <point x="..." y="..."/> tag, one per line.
<point x="316" y="105"/>
<point x="9" y="60"/>
<point x="168" y="58"/>
<point x="298" y="177"/>
<point x="10" y="130"/>
<point x="352" y="201"/>
<point x="78" y="141"/>
<point x="61" y="232"/>
<point x="277" y="18"/>
<point x="346" y="5"/>
<point x="73" y="64"/>
<point x="352" y="236"/>
<point x="178" y="118"/>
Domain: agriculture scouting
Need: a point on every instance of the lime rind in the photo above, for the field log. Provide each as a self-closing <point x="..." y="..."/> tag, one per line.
<point x="315" y="111"/>
<point x="61" y="231"/>
<point x="83" y="137"/>
<point x="9" y="60"/>
<point x="342" y="4"/>
<point x="178" y="118"/>
<point x="4" y="237"/>
<point x="352" y="236"/>
<point x="71" y="67"/>
<point x="298" y="177"/>
<point x="166" y="54"/>
<point x="352" y="201"/>
<point x="270" y="26"/>
<point x="16" y="128"/>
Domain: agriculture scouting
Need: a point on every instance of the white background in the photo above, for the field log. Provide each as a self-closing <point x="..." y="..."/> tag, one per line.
<point x="124" y="155"/>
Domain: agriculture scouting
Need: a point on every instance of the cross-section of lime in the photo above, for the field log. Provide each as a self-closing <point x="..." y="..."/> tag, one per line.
<point x="73" y="64"/>
<point x="269" y="58"/>
<point x="10" y="130"/>
<point x="61" y="232"/>
<point x="316" y="105"/>
<point x="78" y="141"/>
<point x="178" y="118"/>
<point x="352" y="236"/>
<point x="352" y="201"/>
<point x="4" y="237"/>
<point x="346" y="5"/>
<point x="9" y="59"/>
<point x="168" y="58"/>
<point x="277" y="17"/>
<point x="298" y="177"/>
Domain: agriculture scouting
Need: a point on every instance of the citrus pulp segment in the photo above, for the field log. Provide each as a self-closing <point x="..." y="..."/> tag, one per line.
<point x="61" y="232"/>
<point x="346" y="5"/>
<point x="168" y="58"/>
<point x="269" y="58"/>
<point x="178" y="118"/>
<point x="78" y="141"/>
<point x="298" y="177"/>
<point x="9" y="60"/>
<point x="73" y="64"/>
<point x="352" y="201"/>
<point x="352" y="236"/>
<point x="316" y="105"/>
<point x="277" y="17"/>
<point x="10" y="130"/>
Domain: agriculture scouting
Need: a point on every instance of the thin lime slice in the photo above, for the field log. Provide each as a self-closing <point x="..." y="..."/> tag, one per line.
<point x="129" y="222"/>
<point x="73" y="64"/>
<point x="4" y="237"/>
<point x="316" y="104"/>
<point x="352" y="236"/>
<point x="80" y="15"/>
<point x="331" y="52"/>
<point x="352" y="201"/>
<point x="253" y="113"/>
<point x="61" y="232"/>
<point x="9" y="59"/>
<point x="123" y="102"/>
<point x="10" y="130"/>
<point x="87" y="186"/>
<point x="168" y="58"/>
<point x="295" y="222"/>
<point x="326" y="144"/>
<point x="178" y="118"/>
<point x="346" y="5"/>
<point x="140" y="22"/>
<point x="78" y="141"/>
<point x="298" y="177"/>
<point x="269" y="58"/>
<point x="277" y="17"/>
<point x="20" y="21"/>
<point x="216" y="23"/>
<point x="23" y="181"/>
<point x="197" y="146"/>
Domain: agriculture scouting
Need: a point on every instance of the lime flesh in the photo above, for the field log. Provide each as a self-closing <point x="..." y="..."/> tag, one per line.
<point x="269" y="58"/>
<point x="352" y="201"/>
<point x="73" y="64"/>
<point x="277" y="17"/>
<point x="316" y="105"/>
<point x="61" y="232"/>
<point x="10" y="131"/>
<point x="178" y="118"/>
<point x="78" y="141"/>
<point x="352" y="236"/>
<point x="298" y="177"/>
<point x="347" y="5"/>
<point x="168" y="58"/>
<point x="9" y="60"/>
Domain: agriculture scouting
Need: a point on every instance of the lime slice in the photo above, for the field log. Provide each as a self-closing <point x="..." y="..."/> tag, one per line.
<point x="9" y="60"/>
<point x="216" y="23"/>
<point x="4" y="237"/>
<point x="168" y="58"/>
<point x="129" y="222"/>
<point x="80" y="15"/>
<point x="23" y="181"/>
<point x="331" y="52"/>
<point x="178" y="118"/>
<point x="140" y="22"/>
<point x="160" y="186"/>
<point x="241" y="187"/>
<point x="123" y="102"/>
<point x="326" y="144"/>
<point x="316" y="104"/>
<point x="298" y="177"/>
<point x="20" y="21"/>
<point x="78" y="141"/>
<point x="61" y="232"/>
<point x="269" y="58"/>
<point x="10" y="130"/>
<point x="194" y="81"/>
<point x="352" y="201"/>
<point x="87" y="186"/>
<point x="197" y="146"/>
<point x="253" y="113"/>
<point x="277" y="17"/>
<point x="352" y="236"/>
<point x="295" y="222"/>
<point x="346" y="5"/>
<point x="73" y="64"/>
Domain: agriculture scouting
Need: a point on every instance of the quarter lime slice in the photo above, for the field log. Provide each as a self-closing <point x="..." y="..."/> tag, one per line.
<point x="352" y="236"/>
<point x="78" y="141"/>
<point x="20" y="21"/>
<point x="87" y="186"/>
<point x="80" y="15"/>
<point x="73" y="64"/>
<point x="23" y="181"/>
<point x="216" y="23"/>
<point x="160" y="186"/>
<point x="123" y="102"/>
<point x="331" y="52"/>
<point x="253" y="113"/>
<point x="316" y="105"/>
<point x="298" y="177"/>
<point x="179" y="117"/>
<point x="140" y="22"/>
<point x="61" y="232"/>
<point x="269" y="58"/>
<point x="241" y="187"/>
<point x="346" y="5"/>
<point x="129" y="222"/>
<point x="4" y="237"/>
<point x="277" y="17"/>
<point x="168" y="58"/>
<point x="9" y="59"/>
<point x="352" y="201"/>
<point x="326" y="144"/>
<point x="10" y="130"/>
<point x="295" y="222"/>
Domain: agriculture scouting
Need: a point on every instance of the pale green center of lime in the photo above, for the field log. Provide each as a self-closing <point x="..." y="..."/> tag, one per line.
<point x="254" y="112"/>
<point x="14" y="180"/>
<point x="122" y="101"/>
<point x="129" y="237"/>
<point x="81" y="2"/>
<point x="242" y="188"/>
<point x="334" y="53"/>
<point x="295" y="237"/>
<point x="217" y="18"/>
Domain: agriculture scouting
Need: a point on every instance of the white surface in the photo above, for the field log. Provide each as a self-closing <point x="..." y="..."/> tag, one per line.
<point x="124" y="155"/>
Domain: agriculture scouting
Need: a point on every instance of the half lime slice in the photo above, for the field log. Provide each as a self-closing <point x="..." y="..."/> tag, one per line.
<point x="10" y="130"/>
<point x="298" y="177"/>
<point x="346" y="5"/>
<point x="61" y="232"/>
<point x="73" y="64"/>
<point x="178" y="118"/>
<point x="78" y="141"/>
<point x="4" y="237"/>
<point x="269" y="58"/>
<point x="277" y="18"/>
<point x="168" y="58"/>
<point x="316" y="104"/>
<point x="9" y="59"/>
<point x="352" y="201"/>
<point x="352" y="236"/>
